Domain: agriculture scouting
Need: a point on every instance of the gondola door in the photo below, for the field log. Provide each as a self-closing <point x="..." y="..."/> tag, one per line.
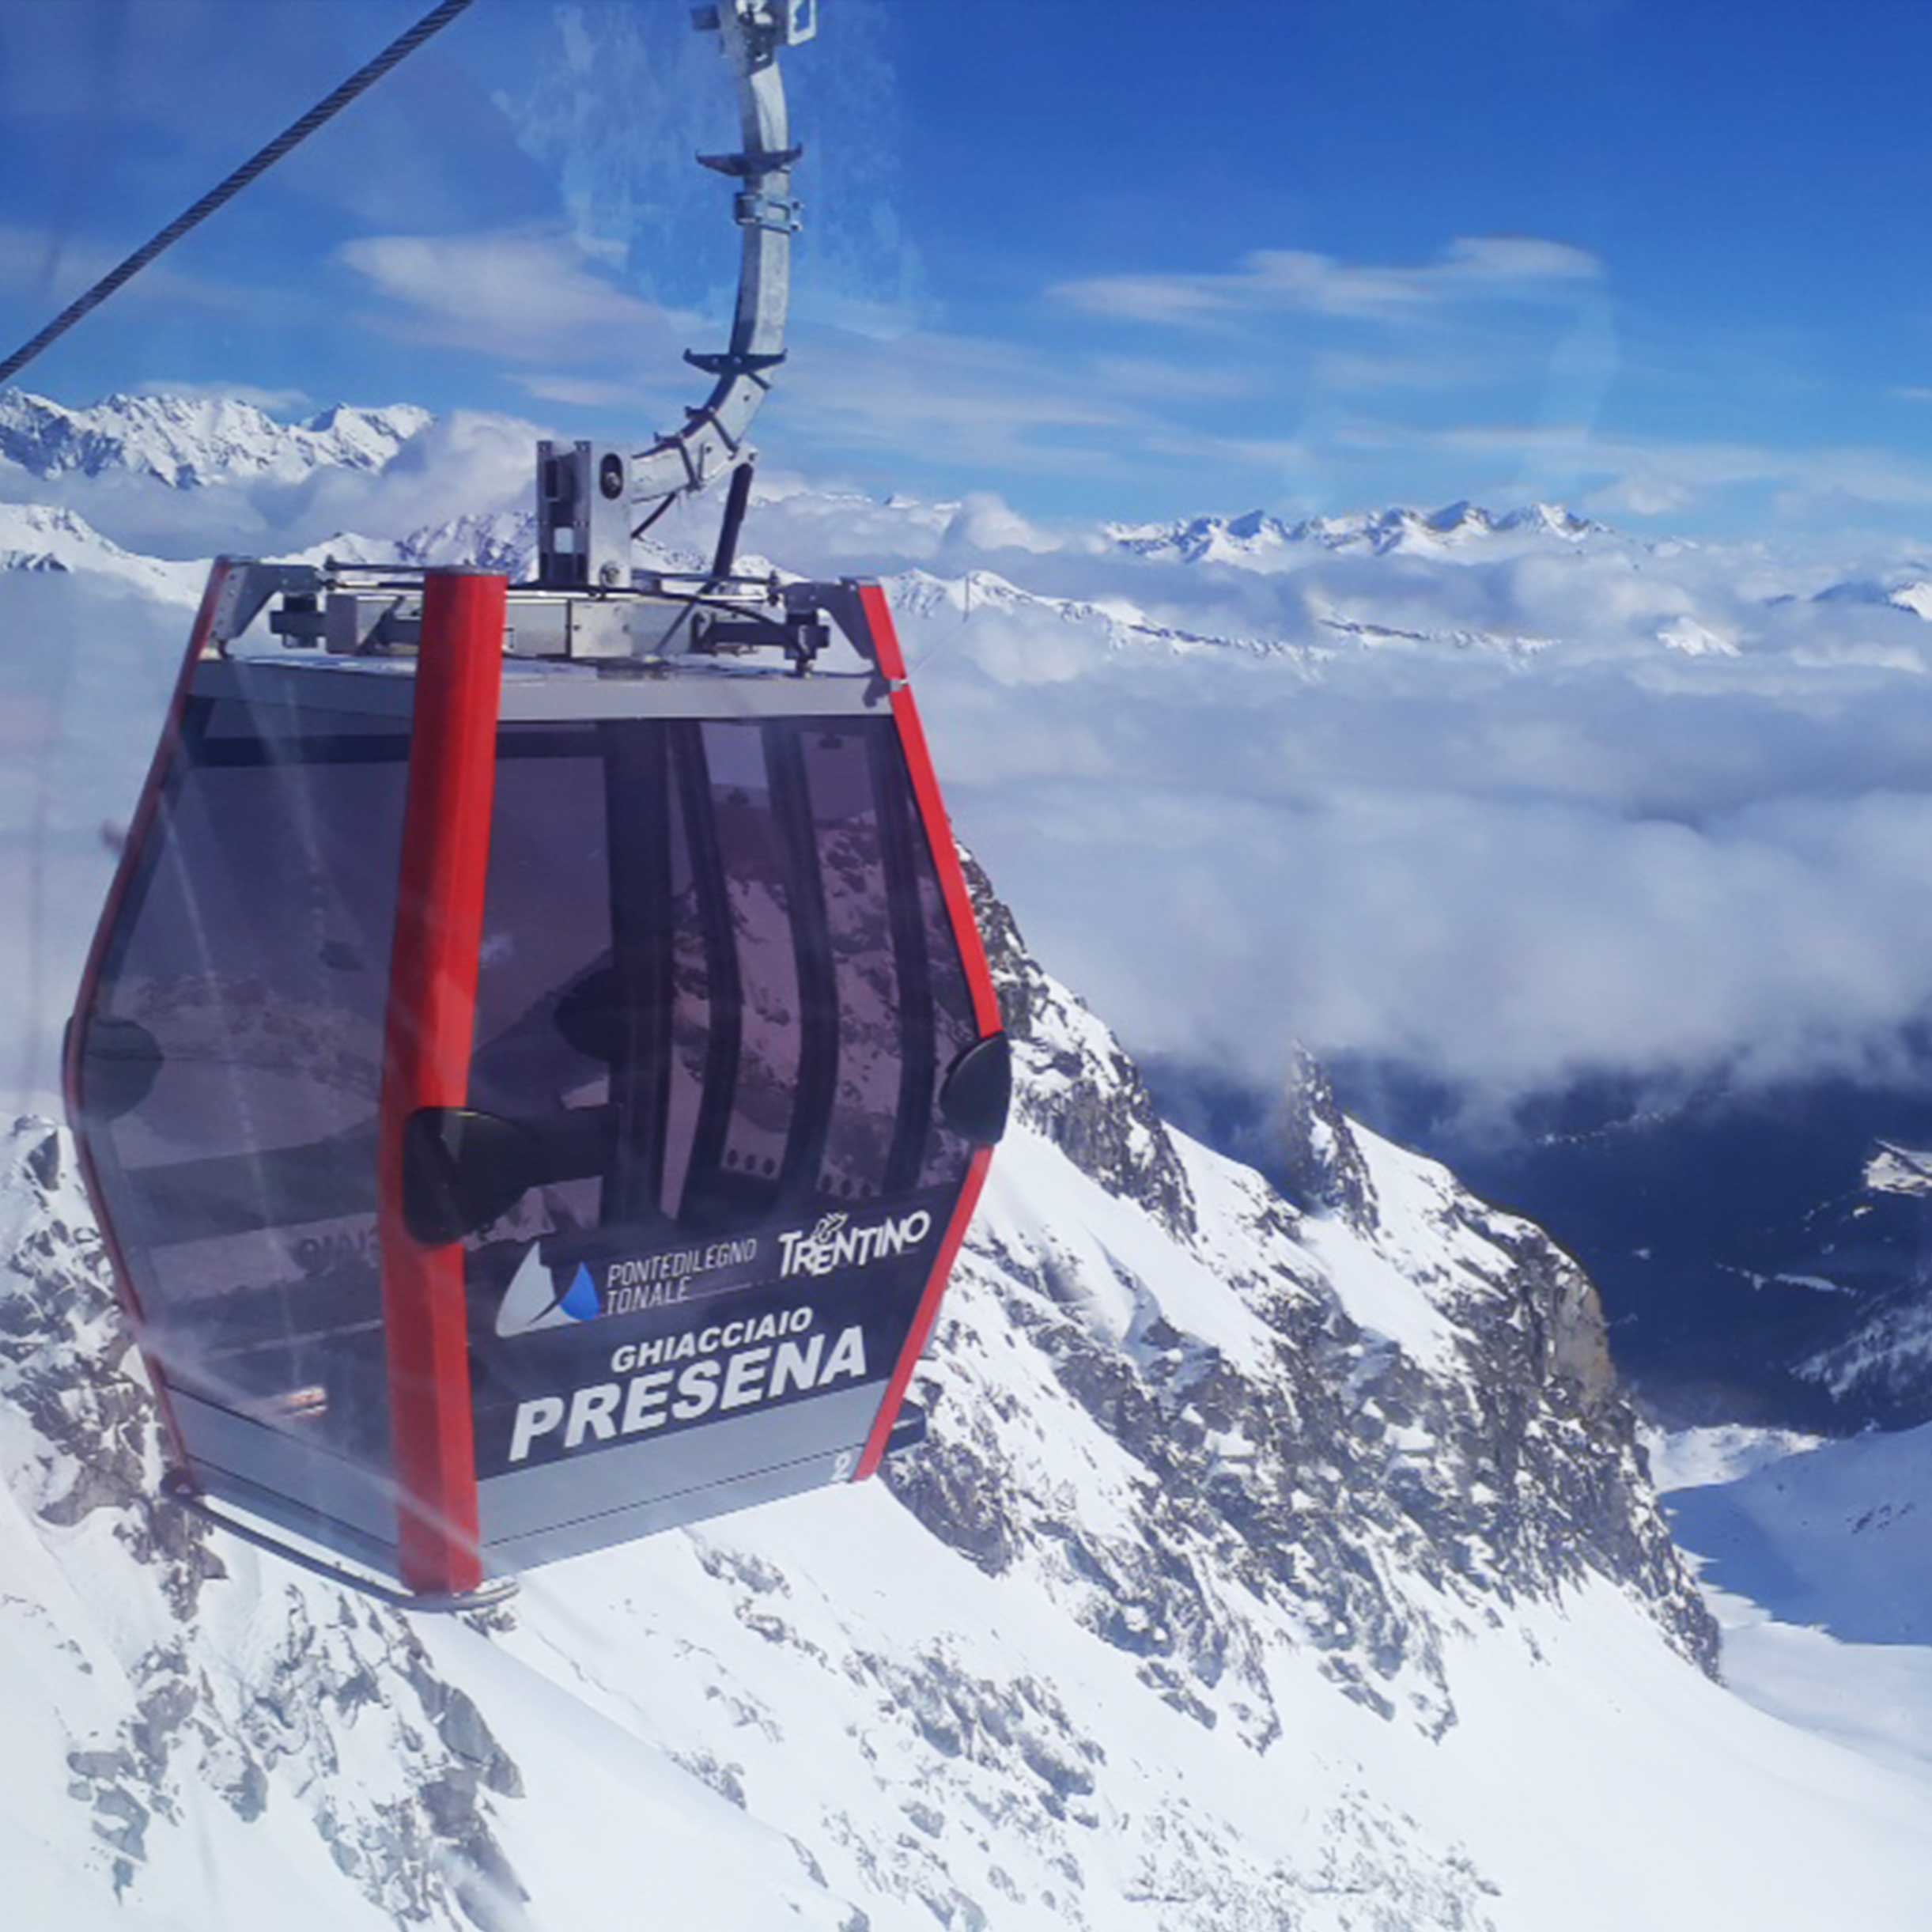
<point x="721" y="988"/>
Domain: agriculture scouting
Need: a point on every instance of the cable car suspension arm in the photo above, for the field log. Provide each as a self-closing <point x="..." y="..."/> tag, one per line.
<point x="711" y="440"/>
<point x="593" y="500"/>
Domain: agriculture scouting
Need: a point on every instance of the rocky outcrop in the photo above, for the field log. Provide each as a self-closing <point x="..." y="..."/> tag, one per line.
<point x="1199" y="1454"/>
<point x="1320" y="1160"/>
<point x="1072" y="1079"/>
<point x="1331" y="1467"/>
<point x="330" y="1709"/>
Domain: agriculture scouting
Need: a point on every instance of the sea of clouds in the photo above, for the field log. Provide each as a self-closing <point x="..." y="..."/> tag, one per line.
<point x="1510" y="814"/>
<point x="1535" y="840"/>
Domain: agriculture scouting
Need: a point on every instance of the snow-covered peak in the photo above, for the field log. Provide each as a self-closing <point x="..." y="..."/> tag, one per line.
<point x="1908" y="589"/>
<point x="1110" y="623"/>
<point x="1890" y="1170"/>
<point x="1256" y="539"/>
<point x="1552" y="518"/>
<point x="189" y="441"/>
<point x="39" y="537"/>
<point x="1695" y="638"/>
<point x="1206" y="539"/>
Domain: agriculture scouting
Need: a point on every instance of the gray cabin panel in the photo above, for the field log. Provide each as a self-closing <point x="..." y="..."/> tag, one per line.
<point x="280" y="690"/>
<point x="672" y="1512"/>
<point x="259" y="1466"/>
<point x="673" y="1480"/>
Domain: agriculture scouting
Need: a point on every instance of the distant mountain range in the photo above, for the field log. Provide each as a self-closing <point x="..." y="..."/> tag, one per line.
<point x="1259" y="541"/>
<point x="189" y="443"/>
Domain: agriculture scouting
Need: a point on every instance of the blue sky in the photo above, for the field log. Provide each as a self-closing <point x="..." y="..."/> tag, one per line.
<point x="1123" y="259"/>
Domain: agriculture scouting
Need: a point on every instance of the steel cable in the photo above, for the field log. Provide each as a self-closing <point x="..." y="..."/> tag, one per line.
<point x="358" y="83"/>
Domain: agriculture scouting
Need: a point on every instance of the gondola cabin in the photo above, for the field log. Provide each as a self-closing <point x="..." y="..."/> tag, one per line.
<point x="537" y="1062"/>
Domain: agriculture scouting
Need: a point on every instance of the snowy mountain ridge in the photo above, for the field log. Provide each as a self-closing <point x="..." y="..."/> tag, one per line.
<point x="1242" y="1529"/>
<point x="188" y="443"/>
<point x="1255" y="539"/>
<point x="1893" y="1169"/>
<point x="1909" y="588"/>
<point x="200" y="443"/>
<point x="37" y="537"/>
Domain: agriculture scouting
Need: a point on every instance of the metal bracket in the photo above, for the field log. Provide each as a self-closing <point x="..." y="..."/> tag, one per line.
<point x="727" y="363"/>
<point x="582" y="517"/>
<point x="778" y="213"/>
<point x="792" y="22"/>
<point x="713" y="438"/>
<point x="800" y="636"/>
<point x="247" y="589"/>
<point x="737" y="621"/>
<point x="760" y="161"/>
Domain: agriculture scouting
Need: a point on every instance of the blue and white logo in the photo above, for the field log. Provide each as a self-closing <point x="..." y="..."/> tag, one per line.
<point x="532" y="1301"/>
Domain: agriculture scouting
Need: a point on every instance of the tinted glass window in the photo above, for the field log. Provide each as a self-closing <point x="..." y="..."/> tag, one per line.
<point x="249" y="979"/>
<point x="717" y="987"/>
<point x="716" y="975"/>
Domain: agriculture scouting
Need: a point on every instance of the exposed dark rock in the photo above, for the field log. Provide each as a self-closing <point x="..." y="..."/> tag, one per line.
<point x="1510" y="1469"/>
<point x="1320" y="1155"/>
<point x="1276" y="1471"/>
<point x="1075" y="1085"/>
<point x="66" y="1364"/>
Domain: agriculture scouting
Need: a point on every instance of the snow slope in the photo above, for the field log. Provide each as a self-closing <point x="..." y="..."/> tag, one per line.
<point x="35" y="537"/>
<point x="1817" y="1558"/>
<point x="1264" y="1568"/>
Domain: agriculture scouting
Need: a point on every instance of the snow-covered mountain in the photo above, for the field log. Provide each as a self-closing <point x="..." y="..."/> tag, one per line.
<point x="1533" y="654"/>
<point x="1280" y="1556"/>
<point x="1267" y="1566"/>
<point x="1257" y="541"/>
<point x="190" y="442"/>
<point x="36" y="537"/>
<point x="1764" y="1257"/>
<point x="1816" y="1558"/>
<point x="1110" y="623"/>
<point x="1882" y="1362"/>
<point x="1909" y="589"/>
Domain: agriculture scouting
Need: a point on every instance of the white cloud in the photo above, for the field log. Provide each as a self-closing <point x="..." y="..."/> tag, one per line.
<point x="1150" y="378"/>
<point x="1503" y="868"/>
<point x="984" y="525"/>
<point x="271" y="402"/>
<point x="54" y="269"/>
<point x="1482" y="811"/>
<point x="464" y="463"/>
<point x="1473" y="268"/>
<point x="1338" y="370"/>
<point x="526" y="294"/>
<point x="585" y="391"/>
<point x="1654" y="476"/>
<point x="963" y="400"/>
